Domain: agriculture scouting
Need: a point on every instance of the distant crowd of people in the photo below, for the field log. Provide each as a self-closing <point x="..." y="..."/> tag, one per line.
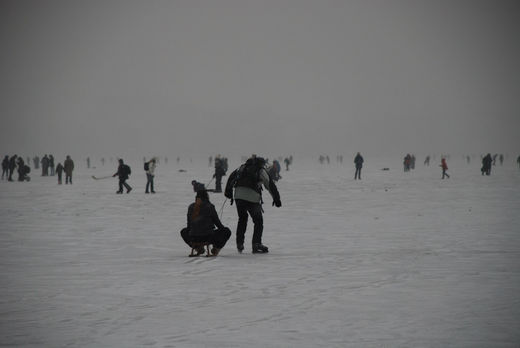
<point x="243" y="187"/>
<point x="409" y="160"/>
<point x="10" y="164"/>
<point x="15" y="162"/>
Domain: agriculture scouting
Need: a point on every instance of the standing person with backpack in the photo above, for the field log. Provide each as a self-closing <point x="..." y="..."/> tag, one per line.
<point x="123" y="172"/>
<point x="149" y="168"/>
<point x="247" y="183"/>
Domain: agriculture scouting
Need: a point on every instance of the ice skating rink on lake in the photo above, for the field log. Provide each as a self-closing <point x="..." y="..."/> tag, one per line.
<point x="395" y="260"/>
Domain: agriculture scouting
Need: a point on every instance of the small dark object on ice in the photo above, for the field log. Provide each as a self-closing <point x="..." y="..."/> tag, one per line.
<point x="386" y="168"/>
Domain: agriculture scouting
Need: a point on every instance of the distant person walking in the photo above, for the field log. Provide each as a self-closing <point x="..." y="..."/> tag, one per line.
<point x="274" y="170"/>
<point x="12" y="166"/>
<point x="150" y="175"/>
<point x="220" y="171"/>
<point x="20" y="165"/>
<point x="123" y="172"/>
<point x="51" y="164"/>
<point x="487" y="161"/>
<point x="36" y="161"/>
<point x="406" y="162"/>
<point x="23" y="169"/>
<point x="45" y="165"/>
<point x="59" y="171"/>
<point x="287" y="162"/>
<point x="68" y="167"/>
<point x="444" y="167"/>
<point x="5" y="167"/>
<point x="358" y="160"/>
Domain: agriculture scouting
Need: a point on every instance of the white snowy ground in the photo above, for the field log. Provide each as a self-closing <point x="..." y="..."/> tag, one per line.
<point x="395" y="260"/>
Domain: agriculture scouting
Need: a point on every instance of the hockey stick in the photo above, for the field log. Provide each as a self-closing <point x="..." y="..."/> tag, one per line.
<point x="101" y="178"/>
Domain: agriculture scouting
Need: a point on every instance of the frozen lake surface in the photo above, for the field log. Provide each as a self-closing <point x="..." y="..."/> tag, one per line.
<point x="395" y="260"/>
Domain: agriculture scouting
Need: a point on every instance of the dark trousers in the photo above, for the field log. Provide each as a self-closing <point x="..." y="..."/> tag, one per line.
<point x="5" y="171"/>
<point x="255" y="210"/>
<point x="68" y="178"/>
<point x="59" y="177"/>
<point x="444" y="173"/>
<point x="122" y="182"/>
<point x="149" y="182"/>
<point x="11" y="171"/>
<point x="218" y="237"/>
<point x="357" y="175"/>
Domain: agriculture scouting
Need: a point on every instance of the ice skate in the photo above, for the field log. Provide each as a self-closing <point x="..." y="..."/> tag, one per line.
<point x="260" y="249"/>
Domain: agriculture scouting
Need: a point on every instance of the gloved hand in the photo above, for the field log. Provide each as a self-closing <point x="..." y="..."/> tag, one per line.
<point x="277" y="203"/>
<point x="231" y="201"/>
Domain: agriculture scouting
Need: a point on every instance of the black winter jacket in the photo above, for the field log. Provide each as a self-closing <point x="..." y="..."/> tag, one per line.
<point x="123" y="172"/>
<point x="204" y="223"/>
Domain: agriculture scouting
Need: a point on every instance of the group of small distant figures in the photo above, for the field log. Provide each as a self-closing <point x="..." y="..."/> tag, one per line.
<point x="409" y="163"/>
<point x="17" y="163"/>
<point x="487" y="162"/>
<point x="221" y="166"/>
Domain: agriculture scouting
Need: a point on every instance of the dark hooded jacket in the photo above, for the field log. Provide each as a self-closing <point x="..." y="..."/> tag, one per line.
<point x="203" y="223"/>
<point x="68" y="166"/>
<point x="123" y="171"/>
<point x="358" y="161"/>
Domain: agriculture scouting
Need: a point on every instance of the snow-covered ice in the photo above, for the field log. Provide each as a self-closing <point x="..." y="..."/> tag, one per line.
<point x="395" y="260"/>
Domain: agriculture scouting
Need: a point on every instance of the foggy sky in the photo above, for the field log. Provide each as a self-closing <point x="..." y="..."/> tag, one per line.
<point x="104" y="77"/>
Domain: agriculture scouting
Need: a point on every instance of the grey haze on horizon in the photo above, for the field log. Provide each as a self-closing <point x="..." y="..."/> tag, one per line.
<point x="267" y="76"/>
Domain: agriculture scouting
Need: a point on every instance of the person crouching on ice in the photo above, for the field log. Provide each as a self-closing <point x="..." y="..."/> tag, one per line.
<point x="202" y="219"/>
